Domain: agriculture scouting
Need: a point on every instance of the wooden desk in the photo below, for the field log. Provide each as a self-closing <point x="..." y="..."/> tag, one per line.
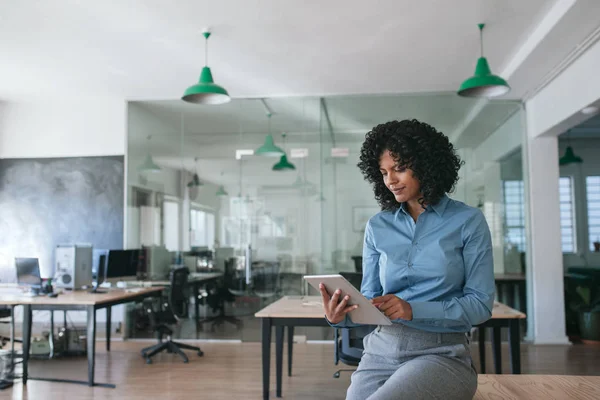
<point x="81" y="301"/>
<point x="537" y="387"/>
<point x="292" y="311"/>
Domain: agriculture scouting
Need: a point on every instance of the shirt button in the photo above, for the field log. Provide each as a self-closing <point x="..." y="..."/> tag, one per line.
<point x="410" y="264"/>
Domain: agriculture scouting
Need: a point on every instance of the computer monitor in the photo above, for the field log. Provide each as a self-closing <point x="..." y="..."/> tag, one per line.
<point x="99" y="266"/>
<point x="122" y="263"/>
<point x="28" y="272"/>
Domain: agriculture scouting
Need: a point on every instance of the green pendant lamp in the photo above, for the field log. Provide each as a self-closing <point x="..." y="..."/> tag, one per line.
<point x="221" y="192"/>
<point x="268" y="149"/>
<point x="483" y="83"/>
<point x="149" y="165"/>
<point x="283" y="163"/>
<point x="206" y="91"/>
<point x="195" y="182"/>
<point x="569" y="157"/>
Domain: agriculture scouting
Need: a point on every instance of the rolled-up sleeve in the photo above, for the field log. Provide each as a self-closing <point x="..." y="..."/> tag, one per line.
<point x="475" y="305"/>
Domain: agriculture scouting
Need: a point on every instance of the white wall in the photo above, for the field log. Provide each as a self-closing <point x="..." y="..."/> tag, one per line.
<point x="63" y="127"/>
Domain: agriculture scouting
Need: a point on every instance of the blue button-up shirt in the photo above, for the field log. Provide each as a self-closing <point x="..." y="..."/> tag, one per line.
<point x="441" y="265"/>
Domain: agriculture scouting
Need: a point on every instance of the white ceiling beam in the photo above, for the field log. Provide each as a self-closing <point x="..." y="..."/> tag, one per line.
<point x="543" y="28"/>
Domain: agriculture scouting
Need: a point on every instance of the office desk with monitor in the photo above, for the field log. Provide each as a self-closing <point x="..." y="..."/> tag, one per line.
<point x="79" y="300"/>
<point x="292" y="311"/>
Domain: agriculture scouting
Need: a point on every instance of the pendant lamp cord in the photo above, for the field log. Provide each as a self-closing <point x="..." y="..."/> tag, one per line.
<point x="481" y="38"/>
<point x="206" y="35"/>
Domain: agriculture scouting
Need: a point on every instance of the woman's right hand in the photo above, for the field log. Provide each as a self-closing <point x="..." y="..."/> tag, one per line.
<point x="335" y="309"/>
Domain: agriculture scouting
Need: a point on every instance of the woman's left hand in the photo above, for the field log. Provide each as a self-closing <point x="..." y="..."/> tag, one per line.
<point x="393" y="307"/>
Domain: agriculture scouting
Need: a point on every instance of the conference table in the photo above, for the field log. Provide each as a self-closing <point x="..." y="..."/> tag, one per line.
<point x="77" y="300"/>
<point x="293" y="311"/>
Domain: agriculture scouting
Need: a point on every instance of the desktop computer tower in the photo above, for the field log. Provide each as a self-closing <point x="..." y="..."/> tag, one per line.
<point x="158" y="262"/>
<point x="73" y="266"/>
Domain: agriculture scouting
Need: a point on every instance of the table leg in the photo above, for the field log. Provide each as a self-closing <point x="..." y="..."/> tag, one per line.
<point x="497" y="346"/>
<point x="51" y="336"/>
<point x="197" y="304"/>
<point x="108" y="326"/>
<point x="12" y="332"/>
<point x="515" y="346"/>
<point x="91" y="343"/>
<point x="279" y="356"/>
<point x="481" y="331"/>
<point x="290" y="348"/>
<point x="266" y="355"/>
<point x="26" y="339"/>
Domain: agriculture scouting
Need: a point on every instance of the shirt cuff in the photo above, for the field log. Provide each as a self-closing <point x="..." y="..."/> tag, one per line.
<point x="427" y="310"/>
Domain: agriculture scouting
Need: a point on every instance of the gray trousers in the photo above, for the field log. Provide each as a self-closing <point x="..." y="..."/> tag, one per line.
<point x="406" y="363"/>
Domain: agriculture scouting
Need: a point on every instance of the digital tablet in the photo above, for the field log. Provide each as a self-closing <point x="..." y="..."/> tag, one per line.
<point x="366" y="313"/>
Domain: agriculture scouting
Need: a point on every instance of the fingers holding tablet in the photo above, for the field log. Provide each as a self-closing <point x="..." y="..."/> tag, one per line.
<point x="334" y="307"/>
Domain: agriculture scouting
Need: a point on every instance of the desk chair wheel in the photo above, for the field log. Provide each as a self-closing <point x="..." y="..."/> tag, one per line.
<point x="200" y="353"/>
<point x="336" y="375"/>
<point x="148" y="360"/>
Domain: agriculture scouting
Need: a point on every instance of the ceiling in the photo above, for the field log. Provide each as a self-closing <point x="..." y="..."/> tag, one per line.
<point x="589" y="129"/>
<point x="142" y="49"/>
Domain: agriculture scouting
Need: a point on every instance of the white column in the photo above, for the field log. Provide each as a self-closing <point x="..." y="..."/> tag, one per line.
<point x="546" y="304"/>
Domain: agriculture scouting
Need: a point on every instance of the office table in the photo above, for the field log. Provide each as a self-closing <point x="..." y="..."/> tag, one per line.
<point x="79" y="300"/>
<point x="292" y="311"/>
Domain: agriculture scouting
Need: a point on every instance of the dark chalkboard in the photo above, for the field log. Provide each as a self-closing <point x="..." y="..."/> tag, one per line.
<point x="44" y="202"/>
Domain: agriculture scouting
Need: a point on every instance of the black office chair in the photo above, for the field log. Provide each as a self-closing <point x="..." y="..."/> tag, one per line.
<point x="176" y="309"/>
<point x="349" y="348"/>
<point x="5" y="312"/>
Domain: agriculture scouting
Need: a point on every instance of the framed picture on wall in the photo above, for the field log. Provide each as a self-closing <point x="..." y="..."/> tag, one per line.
<point x="360" y="216"/>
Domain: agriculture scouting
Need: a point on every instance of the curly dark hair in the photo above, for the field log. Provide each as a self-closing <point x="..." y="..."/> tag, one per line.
<point x="414" y="145"/>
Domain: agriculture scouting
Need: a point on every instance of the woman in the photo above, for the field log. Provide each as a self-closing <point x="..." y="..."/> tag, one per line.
<point x="427" y="264"/>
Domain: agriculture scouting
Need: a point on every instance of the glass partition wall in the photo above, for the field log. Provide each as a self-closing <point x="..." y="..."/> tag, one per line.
<point x="203" y="192"/>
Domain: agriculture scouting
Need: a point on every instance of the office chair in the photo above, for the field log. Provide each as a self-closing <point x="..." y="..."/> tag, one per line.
<point x="5" y="312"/>
<point x="176" y="309"/>
<point x="349" y="348"/>
<point x="218" y="295"/>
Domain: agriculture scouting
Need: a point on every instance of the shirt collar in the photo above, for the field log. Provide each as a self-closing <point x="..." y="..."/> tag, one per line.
<point x="441" y="205"/>
<point x="439" y="208"/>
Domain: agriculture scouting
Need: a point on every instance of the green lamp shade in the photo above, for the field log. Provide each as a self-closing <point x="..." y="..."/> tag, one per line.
<point x="483" y="83"/>
<point x="221" y="192"/>
<point x="206" y="91"/>
<point x="269" y="149"/>
<point x="195" y="182"/>
<point x="569" y="157"/>
<point x="148" y="165"/>
<point x="283" y="164"/>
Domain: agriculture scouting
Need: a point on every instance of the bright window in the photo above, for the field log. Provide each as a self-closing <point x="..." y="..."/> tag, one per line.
<point x="514" y="213"/>
<point x="202" y="228"/>
<point x="171" y="225"/>
<point x="592" y="185"/>
<point x="567" y="214"/>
